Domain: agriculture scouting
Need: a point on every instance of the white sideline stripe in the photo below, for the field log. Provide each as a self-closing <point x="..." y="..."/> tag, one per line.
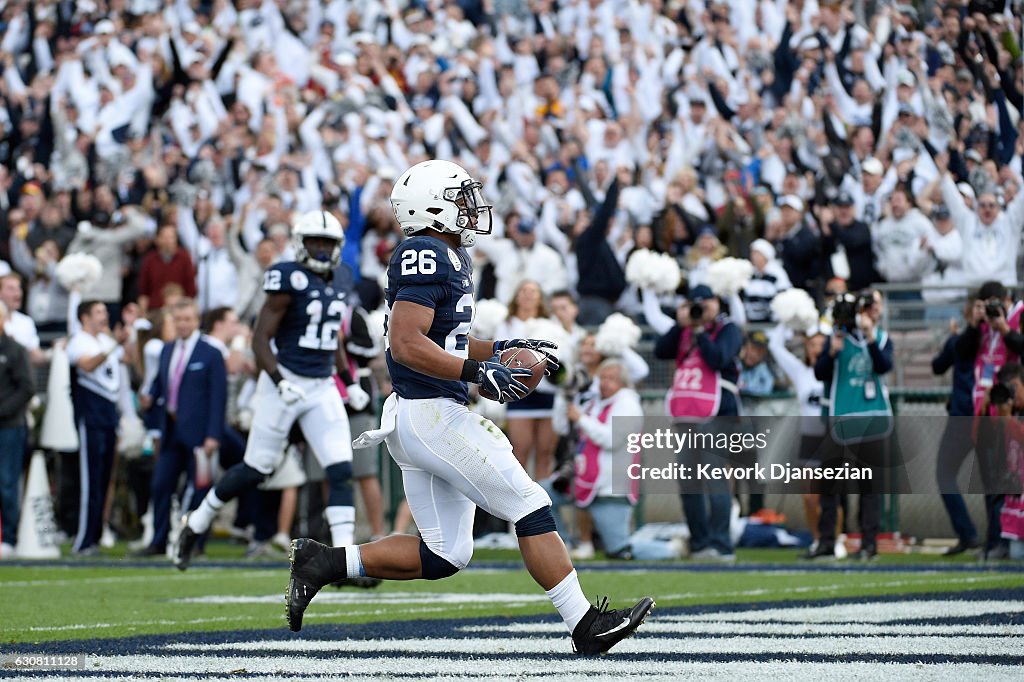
<point x="832" y="646"/>
<point x="373" y="597"/>
<point x="587" y="669"/>
<point x="875" y="612"/>
<point x="190" y="576"/>
<point x="831" y="587"/>
<point x="90" y="626"/>
<point x="681" y="627"/>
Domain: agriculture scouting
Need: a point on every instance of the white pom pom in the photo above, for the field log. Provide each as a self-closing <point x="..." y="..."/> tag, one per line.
<point x="615" y="335"/>
<point x="796" y="309"/>
<point x="489" y="314"/>
<point x="375" y="324"/>
<point x="659" y="271"/>
<point x="728" y="276"/>
<point x="551" y="330"/>
<point x="79" y="270"/>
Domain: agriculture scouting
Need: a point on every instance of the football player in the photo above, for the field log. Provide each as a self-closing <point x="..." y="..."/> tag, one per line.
<point x="302" y="316"/>
<point x="452" y="460"/>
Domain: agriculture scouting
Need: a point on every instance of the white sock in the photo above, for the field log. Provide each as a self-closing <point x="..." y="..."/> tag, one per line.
<point x="353" y="562"/>
<point x="568" y="598"/>
<point x="199" y="520"/>
<point x="342" y="521"/>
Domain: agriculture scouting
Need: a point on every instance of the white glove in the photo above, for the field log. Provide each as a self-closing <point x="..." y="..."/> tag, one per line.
<point x="289" y="392"/>
<point x="357" y="397"/>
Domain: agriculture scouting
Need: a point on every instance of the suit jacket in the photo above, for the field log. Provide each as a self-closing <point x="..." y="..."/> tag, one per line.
<point x="202" y="396"/>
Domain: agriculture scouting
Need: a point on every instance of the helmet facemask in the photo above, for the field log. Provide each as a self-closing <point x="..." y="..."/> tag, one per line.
<point x="474" y="215"/>
<point x="317" y="262"/>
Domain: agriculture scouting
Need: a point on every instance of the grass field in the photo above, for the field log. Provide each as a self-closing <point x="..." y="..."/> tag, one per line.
<point x="100" y="598"/>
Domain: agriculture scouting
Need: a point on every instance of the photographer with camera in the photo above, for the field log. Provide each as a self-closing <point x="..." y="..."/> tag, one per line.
<point x="856" y="357"/>
<point x="705" y="344"/>
<point x="992" y="338"/>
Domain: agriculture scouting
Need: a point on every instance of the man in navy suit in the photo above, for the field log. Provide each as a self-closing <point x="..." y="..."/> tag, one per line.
<point x="190" y="393"/>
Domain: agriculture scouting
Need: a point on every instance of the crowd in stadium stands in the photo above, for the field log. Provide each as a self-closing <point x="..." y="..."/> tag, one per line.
<point x="835" y="144"/>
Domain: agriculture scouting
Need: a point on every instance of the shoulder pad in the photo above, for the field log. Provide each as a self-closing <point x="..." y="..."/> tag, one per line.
<point x="285" y="278"/>
<point x="422" y="261"/>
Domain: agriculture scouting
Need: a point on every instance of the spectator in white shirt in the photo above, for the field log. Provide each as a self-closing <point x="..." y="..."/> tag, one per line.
<point x="520" y="257"/>
<point x="20" y="326"/>
<point x="991" y="235"/>
<point x="899" y="240"/>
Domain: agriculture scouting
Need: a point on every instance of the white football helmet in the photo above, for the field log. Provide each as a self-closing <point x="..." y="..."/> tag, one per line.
<point x="441" y="196"/>
<point x="325" y="226"/>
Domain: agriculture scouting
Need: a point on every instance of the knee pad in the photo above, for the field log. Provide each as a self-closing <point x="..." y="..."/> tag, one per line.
<point x="237" y="480"/>
<point x="434" y="567"/>
<point x="537" y="522"/>
<point x="340" y="478"/>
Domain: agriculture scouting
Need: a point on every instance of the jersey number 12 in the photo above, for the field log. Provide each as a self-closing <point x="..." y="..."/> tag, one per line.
<point x="322" y="334"/>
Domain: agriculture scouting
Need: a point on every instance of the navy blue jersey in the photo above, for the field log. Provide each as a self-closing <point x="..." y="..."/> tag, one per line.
<point x="307" y="337"/>
<point x="426" y="271"/>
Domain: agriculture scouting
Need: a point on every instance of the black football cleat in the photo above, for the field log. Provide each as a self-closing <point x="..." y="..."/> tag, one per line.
<point x="311" y="570"/>
<point x="601" y="629"/>
<point x="185" y="545"/>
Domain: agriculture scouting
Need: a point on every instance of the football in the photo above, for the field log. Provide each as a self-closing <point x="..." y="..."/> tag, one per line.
<point x="522" y="358"/>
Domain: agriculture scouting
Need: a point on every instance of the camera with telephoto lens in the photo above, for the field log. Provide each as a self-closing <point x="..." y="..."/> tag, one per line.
<point x="994" y="308"/>
<point x="696" y="311"/>
<point x="1000" y="394"/>
<point x="844" y="312"/>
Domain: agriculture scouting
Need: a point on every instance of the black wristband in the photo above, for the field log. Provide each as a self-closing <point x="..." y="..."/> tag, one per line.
<point x="276" y="376"/>
<point x="346" y="377"/>
<point x="470" y="368"/>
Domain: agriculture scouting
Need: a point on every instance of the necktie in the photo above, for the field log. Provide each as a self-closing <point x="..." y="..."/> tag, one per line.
<point x="179" y="371"/>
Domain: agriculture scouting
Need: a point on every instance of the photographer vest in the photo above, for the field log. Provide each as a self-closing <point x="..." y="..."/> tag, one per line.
<point x="992" y="355"/>
<point x="859" y="409"/>
<point x="588" y="462"/>
<point x="696" y="392"/>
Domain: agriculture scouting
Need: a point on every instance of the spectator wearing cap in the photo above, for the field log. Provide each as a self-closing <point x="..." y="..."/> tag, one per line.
<point x="769" y="278"/>
<point x="945" y="248"/>
<point x="846" y="244"/>
<point x="797" y="244"/>
<point x="870" y="193"/>
<point x="756" y="376"/>
<point x="705" y="251"/>
<point x="991" y="236"/>
<point x="899" y="241"/>
<point x="520" y="256"/>
<point x="166" y="263"/>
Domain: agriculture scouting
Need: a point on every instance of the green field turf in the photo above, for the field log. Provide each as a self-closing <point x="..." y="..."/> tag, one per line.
<point x="41" y="603"/>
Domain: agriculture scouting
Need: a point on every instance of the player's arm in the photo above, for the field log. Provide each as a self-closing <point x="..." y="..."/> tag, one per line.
<point x="357" y="397"/>
<point x="271" y="314"/>
<point x="267" y="323"/>
<point x="408" y="326"/>
<point x="480" y="349"/>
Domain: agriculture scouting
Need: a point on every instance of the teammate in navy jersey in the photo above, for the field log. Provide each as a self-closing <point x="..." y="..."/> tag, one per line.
<point x="452" y="460"/>
<point x="302" y="317"/>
